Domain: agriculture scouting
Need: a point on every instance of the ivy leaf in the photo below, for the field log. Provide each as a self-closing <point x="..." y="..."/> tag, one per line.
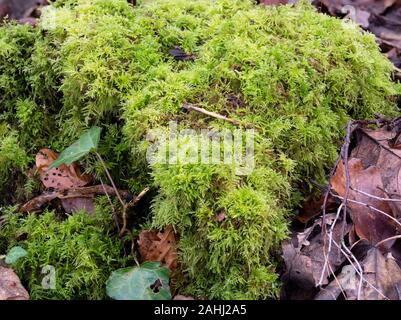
<point x="147" y="282"/>
<point x="86" y="143"/>
<point x="15" y="254"/>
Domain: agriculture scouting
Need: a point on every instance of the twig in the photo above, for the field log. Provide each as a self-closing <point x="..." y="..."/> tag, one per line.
<point x="189" y="107"/>
<point x="388" y="239"/>
<point x="133" y="251"/>
<point x="376" y="197"/>
<point x="345" y="151"/>
<point x="138" y="198"/>
<point x="371" y="207"/>
<point x="111" y="179"/>
<point x="359" y="266"/>
<point x="357" y="269"/>
<point x="343" y="154"/>
<point x="126" y="206"/>
<point x="326" y="261"/>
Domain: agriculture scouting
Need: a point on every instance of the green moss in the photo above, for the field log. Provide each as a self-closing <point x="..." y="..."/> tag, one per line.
<point x="82" y="249"/>
<point x="293" y="75"/>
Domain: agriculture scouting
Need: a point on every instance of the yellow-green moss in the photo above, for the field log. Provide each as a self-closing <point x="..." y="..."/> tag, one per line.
<point x="294" y="75"/>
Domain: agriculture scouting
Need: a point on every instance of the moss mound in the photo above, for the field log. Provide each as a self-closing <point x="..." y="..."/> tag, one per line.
<point x="293" y="75"/>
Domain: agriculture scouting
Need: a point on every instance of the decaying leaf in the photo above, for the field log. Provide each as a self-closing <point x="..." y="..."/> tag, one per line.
<point x="59" y="178"/>
<point x="159" y="246"/>
<point x="66" y="183"/>
<point x="374" y="170"/>
<point x="381" y="280"/>
<point x="304" y="255"/>
<point x="371" y="180"/>
<point x="10" y="286"/>
<point x="312" y="207"/>
<point x="369" y="223"/>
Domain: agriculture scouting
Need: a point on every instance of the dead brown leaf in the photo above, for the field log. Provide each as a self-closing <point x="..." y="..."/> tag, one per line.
<point x="59" y="178"/>
<point x="312" y="207"/>
<point x="304" y="255"/>
<point x="374" y="167"/>
<point x="381" y="280"/>
<point x="159" y="246"/>
<point x="62" y="177"/>
<point x="10" y="286"/>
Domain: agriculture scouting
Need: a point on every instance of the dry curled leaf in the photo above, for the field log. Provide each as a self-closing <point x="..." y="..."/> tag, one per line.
<point x="10" y="286"/>
<point x="159" y="246"/>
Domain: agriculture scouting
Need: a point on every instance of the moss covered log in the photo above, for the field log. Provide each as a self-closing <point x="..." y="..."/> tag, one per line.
<point x="293" y="75"/>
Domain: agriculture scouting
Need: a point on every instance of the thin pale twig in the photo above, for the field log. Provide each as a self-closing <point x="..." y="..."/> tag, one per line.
<point x="376" y="197"/>
<point x="388" y="239"/>
<point x="371" y="207"/>
<point x="357" y="270"/>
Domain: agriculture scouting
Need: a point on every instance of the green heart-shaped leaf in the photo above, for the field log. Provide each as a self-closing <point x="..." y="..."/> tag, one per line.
<point x="15" y="254"/>
<point x="86" y="143"/>
<point x="147" y="282"/>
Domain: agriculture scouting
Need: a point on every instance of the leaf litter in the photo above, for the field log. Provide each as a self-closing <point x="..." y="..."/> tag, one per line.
<point x="351" y="250"/>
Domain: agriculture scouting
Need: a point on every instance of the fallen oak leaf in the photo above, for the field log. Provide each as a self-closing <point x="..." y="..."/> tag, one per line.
<point x="374" y="167"/>
<point x="159" y="246"/>
<point x="369" y="223"/>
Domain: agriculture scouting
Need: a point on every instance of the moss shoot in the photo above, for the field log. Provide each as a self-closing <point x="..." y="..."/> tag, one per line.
<point x="293" y="75"/>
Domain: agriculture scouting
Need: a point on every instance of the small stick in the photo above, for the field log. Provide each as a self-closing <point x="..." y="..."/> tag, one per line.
<point x="111" y="179"/>
<point x="126" y="206"/>
<point x="189" y="107"/>
<point x="376" y="197"/>
<point x="138" y="197"/>
<point x="358" y="269"/>
<point x="388" y="239"/>
<point x="371" y="207"/>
